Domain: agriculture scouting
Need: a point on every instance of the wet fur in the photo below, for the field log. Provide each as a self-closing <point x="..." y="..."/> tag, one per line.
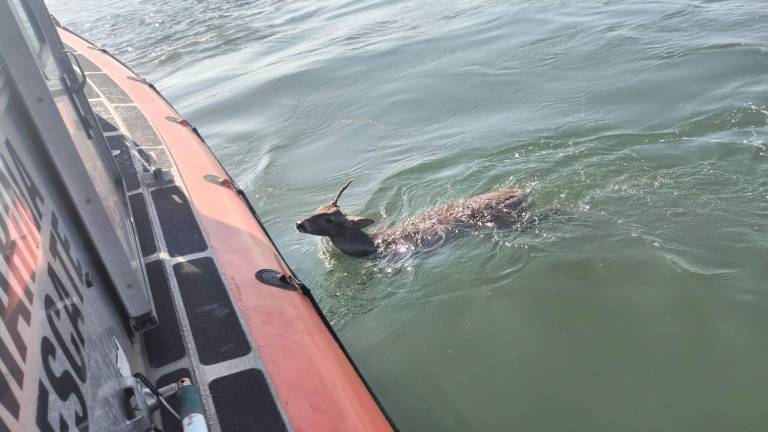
<point x="495" y="210"/>
<point x="505" y="209"/>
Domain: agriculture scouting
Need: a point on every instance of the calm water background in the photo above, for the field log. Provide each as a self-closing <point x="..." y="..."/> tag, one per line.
<point x="644" y="307"/>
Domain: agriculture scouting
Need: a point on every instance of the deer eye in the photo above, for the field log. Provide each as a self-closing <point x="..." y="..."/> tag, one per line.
<point x="328" y="220"/>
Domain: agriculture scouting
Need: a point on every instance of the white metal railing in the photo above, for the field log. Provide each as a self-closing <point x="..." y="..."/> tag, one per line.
<point x="51" y="89"/>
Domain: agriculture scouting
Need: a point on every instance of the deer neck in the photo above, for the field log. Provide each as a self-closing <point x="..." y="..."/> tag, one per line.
<point x="354" y="242"/>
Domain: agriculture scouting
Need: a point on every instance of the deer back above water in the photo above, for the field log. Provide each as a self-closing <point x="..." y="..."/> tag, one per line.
<point x="504" y="209"/>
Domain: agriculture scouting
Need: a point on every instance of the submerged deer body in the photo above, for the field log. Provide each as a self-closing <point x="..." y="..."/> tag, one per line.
<point x="505" y="209"/>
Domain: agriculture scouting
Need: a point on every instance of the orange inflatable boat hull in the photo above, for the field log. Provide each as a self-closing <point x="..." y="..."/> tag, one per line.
<point x="318" y="387"/>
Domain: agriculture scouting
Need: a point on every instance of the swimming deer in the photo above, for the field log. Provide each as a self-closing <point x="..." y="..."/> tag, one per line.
<point x="504" y="209"/>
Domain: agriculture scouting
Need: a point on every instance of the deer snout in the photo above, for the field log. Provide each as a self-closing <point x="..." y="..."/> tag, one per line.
<point x="300" y="227"/>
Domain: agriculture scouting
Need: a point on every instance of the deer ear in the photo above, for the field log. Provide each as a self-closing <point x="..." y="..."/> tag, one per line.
<point x="359" y="222"/>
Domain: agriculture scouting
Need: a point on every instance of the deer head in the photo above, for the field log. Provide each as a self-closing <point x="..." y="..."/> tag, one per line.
<point x="346" y="232"/>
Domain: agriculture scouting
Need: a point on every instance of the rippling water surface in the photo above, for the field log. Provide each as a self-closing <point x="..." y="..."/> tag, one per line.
<point x="642" y="307"/>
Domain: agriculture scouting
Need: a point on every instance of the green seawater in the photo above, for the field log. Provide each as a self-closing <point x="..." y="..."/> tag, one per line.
<point x="643" y="306"/>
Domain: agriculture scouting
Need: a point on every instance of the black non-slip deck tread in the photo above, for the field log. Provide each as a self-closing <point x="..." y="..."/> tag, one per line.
<point x="87" y="64"/>
<point x="244" y="402"/>
<point x="143" y="224"/>
<point x="215" y="326"/>
<point x="154" y="158"/>
<point x="90" y="92"/>
<point x="138" y="126"/>
<point x="109" y="88"/>
<point x="180" y="229"/>
<point x="164" y="342"/>
<point x="107" y="124"/>
<point x="104" y="116"/>
<point x="100" y="107"/>
<point x="122" y="154"/>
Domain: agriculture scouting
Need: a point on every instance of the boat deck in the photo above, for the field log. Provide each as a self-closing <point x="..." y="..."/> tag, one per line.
<point x="262" y="353"/>
<point x="201" y="334"/>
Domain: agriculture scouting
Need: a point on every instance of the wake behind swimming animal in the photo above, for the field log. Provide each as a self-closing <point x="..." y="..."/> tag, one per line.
<point x="504" y="209"/>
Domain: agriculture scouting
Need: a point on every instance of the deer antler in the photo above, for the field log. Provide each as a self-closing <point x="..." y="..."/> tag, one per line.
<point x="335" y="201"/>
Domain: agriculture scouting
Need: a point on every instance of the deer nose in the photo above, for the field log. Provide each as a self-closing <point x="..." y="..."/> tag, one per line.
<point x="300" y="227"/>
